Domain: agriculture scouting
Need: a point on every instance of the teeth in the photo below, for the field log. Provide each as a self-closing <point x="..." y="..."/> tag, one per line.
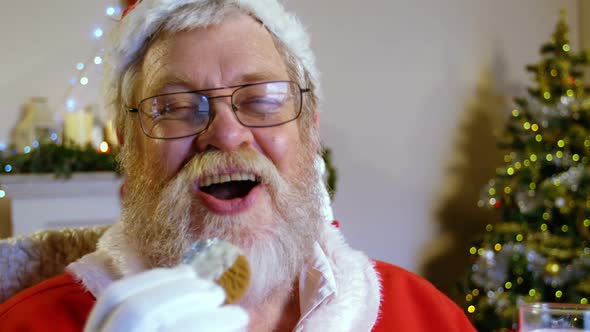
<point x="216" y="179"/>
<point x="207" y="182"/>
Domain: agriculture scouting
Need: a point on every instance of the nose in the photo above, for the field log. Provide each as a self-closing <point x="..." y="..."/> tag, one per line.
<point x="224" y="132"/>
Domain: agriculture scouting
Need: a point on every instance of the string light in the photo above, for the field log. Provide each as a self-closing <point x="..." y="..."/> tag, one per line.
<point x="54" y="137"/>
<point x="8" y="168"/>
<point x="2" y="193"/>
<point x="110" y="11"/>
<point x="104" y="147"/>
<point x="27" y="149"/>
<point x="35" y="144"/>
<point x="71" y="104"/>
<point x="98" y="33"/>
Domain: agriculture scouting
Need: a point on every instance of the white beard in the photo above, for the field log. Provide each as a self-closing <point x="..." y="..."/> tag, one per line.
<point x="162" y="224"/>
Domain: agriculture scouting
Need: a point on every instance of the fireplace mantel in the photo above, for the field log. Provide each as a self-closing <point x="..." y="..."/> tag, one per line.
<point x="42" y="201"/>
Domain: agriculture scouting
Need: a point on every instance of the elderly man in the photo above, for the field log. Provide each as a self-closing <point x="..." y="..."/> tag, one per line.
<point x="216" y="107"/>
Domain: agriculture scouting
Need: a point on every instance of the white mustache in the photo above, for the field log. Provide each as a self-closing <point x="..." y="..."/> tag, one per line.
<point x="212" y="164"/>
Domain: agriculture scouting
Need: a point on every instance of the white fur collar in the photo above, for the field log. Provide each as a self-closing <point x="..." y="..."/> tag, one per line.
<point x="353" y="305"/>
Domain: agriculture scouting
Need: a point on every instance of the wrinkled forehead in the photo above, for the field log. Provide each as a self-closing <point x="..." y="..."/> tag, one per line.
<point x="236" y="51"/>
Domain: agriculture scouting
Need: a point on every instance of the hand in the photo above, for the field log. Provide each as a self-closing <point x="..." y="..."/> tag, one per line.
<point x="165" y="299"/>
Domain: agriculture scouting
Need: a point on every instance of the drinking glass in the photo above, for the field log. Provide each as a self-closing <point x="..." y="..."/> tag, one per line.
<point x="554" y="317"/>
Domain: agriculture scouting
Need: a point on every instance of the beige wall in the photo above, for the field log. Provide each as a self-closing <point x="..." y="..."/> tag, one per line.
<point x="414" y="90"/>
<point x="584" y="20"/>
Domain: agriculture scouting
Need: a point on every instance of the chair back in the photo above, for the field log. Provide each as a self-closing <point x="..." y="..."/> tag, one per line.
<point x="28" y="260"/>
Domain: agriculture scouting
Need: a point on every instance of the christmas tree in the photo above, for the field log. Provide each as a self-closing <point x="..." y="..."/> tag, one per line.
<point x="540" y="252"/>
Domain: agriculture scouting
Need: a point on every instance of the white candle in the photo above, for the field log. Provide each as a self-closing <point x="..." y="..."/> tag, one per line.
<point x="78" y="128"/>
<point x="109" y="134"/>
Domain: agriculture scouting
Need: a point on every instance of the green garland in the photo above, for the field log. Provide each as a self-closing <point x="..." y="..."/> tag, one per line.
<point x="60" y="160"/>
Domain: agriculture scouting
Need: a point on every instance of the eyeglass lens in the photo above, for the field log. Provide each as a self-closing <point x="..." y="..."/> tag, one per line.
<point x="188" y="113"/>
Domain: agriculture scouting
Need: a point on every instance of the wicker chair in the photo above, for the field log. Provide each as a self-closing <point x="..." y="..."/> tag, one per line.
<point x="28" y="260"/>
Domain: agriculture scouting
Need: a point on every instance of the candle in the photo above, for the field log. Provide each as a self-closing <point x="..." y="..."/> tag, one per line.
<point x="78" y="128"/>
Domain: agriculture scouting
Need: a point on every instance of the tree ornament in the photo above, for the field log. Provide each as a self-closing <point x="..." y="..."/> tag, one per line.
<point x="552" y="269"/>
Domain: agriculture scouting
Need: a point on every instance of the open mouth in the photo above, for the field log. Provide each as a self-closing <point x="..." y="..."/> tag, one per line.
<point x="229" y="186"/>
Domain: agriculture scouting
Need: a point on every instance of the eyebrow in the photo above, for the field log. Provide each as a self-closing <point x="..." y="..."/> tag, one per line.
<point x="181" y="80"/>
<point x="160" y="83"/>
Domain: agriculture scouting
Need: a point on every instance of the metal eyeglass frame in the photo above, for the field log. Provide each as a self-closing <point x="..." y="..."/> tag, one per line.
<point x="233" y="106"/>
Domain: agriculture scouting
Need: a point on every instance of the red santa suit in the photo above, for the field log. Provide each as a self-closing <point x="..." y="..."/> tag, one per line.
<point x="340" y="290"/>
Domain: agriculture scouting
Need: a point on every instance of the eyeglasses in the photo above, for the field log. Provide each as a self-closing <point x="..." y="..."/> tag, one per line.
<point x="183" y="114"/>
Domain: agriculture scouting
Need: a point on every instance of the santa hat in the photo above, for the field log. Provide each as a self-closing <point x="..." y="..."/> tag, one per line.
<point x="144" y="18"/>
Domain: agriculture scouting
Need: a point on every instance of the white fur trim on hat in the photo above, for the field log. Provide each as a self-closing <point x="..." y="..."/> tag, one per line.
<point x="130" y="35"/>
